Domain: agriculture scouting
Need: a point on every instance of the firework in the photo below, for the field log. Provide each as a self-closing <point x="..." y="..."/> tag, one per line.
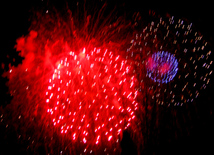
<point x="79" y="86"/>
<point x="89" y="97"/>
<point x="75" y="88"/>
<point x="175" y="76"/>
<point x="162" y="67"/>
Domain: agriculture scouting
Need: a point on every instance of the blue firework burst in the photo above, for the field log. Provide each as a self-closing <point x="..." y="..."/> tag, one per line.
<point x="162" y="67"/>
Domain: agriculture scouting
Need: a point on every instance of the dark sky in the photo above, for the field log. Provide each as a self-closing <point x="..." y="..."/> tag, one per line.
<point x="14" y="14"/>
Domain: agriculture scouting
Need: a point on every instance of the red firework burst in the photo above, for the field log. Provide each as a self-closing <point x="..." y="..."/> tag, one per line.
<point x="75" y="97"/>
<point x="91" y="96"/>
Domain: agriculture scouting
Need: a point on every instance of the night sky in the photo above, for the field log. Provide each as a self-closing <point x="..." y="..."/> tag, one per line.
<point x="196" y="118"/>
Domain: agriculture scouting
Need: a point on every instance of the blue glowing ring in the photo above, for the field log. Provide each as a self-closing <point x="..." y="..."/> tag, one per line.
<point x="162" y="67"/>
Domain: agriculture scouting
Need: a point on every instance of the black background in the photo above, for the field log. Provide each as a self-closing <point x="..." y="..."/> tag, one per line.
<point x="14" y="23"/>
